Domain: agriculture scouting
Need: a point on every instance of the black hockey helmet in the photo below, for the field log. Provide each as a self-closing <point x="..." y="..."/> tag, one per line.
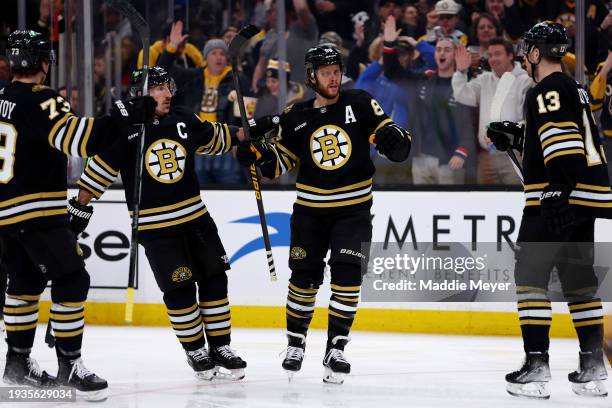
<point x="157" y="76"/>
<point x="321" y="55"/>
<point x="26" y="51"/>
<point x="550" y="38"/>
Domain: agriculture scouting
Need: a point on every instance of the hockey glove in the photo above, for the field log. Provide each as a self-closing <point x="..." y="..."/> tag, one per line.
<point x="556" y="209"/>
<point x="249" y="153"/>
<point x="79" y="215"/>
<point x="134" y="111"/>
<point x="258" y="128"/>
<point x="393" y="142"/>
<point x="506" y="135"/>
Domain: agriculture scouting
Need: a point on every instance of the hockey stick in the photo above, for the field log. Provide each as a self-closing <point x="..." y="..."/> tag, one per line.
<point x="243" y="36"/>
<point x="516" y="164"/>
<point x="142" y="27"/>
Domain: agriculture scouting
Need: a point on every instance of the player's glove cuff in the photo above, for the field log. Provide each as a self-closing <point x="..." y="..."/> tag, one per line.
<point x="259" y="128"/>
<point x="79" y="215"/>
<point x="249" y="153"/>
<point x="506" y="135"/>
<point x="135" y="111"/>
<point x="393" y="142"/>
<point x="556" y="209"/>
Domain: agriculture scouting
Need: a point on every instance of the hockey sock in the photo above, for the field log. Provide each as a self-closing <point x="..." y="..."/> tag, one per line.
<point x="21" y="319"/>
<point x="215" y="309"/>
<point x="68" y="323"/>
<point x="300" y="309"/>
<point x="587" y="316"/>
<point x="345" y="288"/>
<point x="535" y="317"/>
<point x="185" y="317"/>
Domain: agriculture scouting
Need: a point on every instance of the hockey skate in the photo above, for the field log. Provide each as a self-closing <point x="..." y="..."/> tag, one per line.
<point x="72" y="373"/>
<point x="531" y="381"/>
<point x="21" y="369"/>
<point x="588" y="380"/>
<point x="336" y="365"/>
<point x="201" y="363"/>
<point x="225" y="358"/>
<point x="294" y="354"/>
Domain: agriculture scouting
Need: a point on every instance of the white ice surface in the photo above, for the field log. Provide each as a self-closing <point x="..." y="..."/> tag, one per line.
<point x="146" y="367"/>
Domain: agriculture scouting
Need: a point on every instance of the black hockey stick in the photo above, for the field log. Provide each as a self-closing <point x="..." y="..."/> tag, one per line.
<point x="243" y="36"/>
<point x="142" y="28"/>
<point x="517" y="165"/>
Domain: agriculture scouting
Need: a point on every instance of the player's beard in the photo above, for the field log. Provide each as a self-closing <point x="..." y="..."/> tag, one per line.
<point x="326" y="94"/>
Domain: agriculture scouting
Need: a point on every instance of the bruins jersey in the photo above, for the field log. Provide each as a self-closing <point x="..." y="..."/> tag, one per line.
<point x="332" y="147"/>
<point x="562" y="147"/>
<point x="170" y="195"/>
<point x="37" y="130"/>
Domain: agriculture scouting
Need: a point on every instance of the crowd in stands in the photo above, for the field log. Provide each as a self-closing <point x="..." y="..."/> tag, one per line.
<point x="443" y="69"/>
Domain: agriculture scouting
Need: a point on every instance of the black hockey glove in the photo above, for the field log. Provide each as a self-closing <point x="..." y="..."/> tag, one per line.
<point x="258" y="128"/>
<point x="393" y="141"/>
<point x="506" y="135"/>
<point x="79" y="216"/>
<point x="556" y="209"/>
<point x="134" y="111"/>
<point x="249" y="153"/>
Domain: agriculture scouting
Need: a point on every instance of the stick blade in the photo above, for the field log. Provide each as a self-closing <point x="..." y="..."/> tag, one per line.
<point x="244" y="35"/>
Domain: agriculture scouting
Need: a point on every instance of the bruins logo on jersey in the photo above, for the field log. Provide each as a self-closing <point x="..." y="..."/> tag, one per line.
<point x="330" y="147"/>
<point x="181" y="274"/>
<point x="297" y="253"/>
<point x="165" y="161"/>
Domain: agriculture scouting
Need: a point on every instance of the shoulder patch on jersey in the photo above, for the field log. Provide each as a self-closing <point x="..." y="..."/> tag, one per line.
<point x="38" y="88"/>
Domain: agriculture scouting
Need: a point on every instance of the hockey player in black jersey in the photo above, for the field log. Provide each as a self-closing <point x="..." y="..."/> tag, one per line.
<point x="179" y="236"/>
<point x="566" y="189"/>
<point x="329" y="136"/>
<point x="37" y="130"/>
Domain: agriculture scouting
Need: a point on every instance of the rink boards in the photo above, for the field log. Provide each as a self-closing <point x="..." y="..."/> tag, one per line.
<point x="258" y="302"/>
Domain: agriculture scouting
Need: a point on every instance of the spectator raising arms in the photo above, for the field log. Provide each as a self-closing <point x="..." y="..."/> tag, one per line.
<point x="187" y="55"/>
<point x="445" y="126"/>
<point x="500" y="94"/>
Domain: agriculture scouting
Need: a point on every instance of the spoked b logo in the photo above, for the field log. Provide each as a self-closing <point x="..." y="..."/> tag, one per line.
<point x="165" y="161"/>
<point x="330" y="147"/>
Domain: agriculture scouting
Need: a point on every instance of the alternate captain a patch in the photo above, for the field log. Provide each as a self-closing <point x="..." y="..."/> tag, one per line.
<point x="165" y="161"/>
<point x="330" y="147"/>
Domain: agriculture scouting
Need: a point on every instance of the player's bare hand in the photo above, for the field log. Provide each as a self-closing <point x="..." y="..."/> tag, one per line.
<point x="176" y="34"/>
<point x="456" y="162"/>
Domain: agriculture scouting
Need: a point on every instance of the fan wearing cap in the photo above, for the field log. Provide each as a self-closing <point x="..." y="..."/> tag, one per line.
<point x="448" y="17"/>
<point x="566" y="189"/>
<point x="205" y="90"/>
<point x="267" y="102"/>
